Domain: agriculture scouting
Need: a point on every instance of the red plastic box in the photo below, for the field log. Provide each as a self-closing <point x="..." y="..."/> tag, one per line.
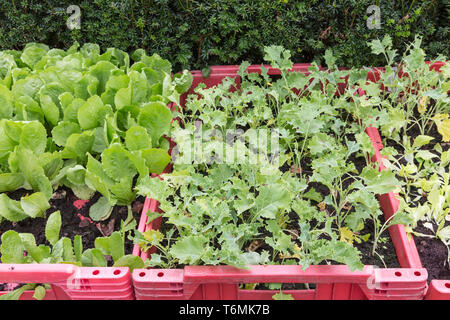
<point x="69" y="282"/>
<point x="332" y="282"/>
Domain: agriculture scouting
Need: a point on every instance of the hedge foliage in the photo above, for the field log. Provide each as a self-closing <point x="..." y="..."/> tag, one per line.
<point x="193" y="34"/>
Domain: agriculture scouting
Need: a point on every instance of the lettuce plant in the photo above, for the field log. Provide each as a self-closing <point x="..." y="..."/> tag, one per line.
<point x="83" y="119"/>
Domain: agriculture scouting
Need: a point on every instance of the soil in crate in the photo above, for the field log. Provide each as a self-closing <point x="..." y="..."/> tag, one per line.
<point x="385" y="256"/>
<point x="63" y="200"/>
<point x="433" y="252"/>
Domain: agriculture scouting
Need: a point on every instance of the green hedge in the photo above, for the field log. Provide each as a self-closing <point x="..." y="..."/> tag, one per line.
<point x="194" y="34"/>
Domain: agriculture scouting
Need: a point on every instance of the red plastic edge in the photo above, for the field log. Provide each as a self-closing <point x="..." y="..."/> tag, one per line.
<point x="70" y="282"/>
<point x="438" y="290"/>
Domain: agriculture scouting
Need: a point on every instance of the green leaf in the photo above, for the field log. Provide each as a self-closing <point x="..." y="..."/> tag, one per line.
<point x="397" y="120"/>
<point x="92" y="114"/>
<point x="366" y="144"/>
<point x="123" y="191"/>
<point x="10" y="181"/>
<point x="379" y="182"/>
<point x="117" y="162"/>
<point x="67" y="250"/>
<point x="156" y="118"/>
<point x="6" y="101"/>
<point x="33" y="172"/>
<point x="93" y="258"/>
<point x="6" y="144"/>
<point x="130" y="261"/>
<point x="278" y="57"/>
<point x="281" y="296"/>
<point x="102" y="71"/>
<point x="189" y="250"/>
<point x="445" y="158"/>
<point x="330" y="60"/>
<point x="10" y="209"/>
<point x="421" y="140"/>
<point x="313" y="195"/>
<point x="33" y="53"/>
<point x="355" y="220"/>
<point x="116" y="245"/>
<point x="12" y="248"/>
<point x="63" y="131"/>
<point x="156" y="159"/>
<point x="444" y="234"/>
<point x="78" y="247"/>
<point x="182" y="81"/>
<point x="400" y="217"/>
<point x="101" y="140"/>
<point x="270" y="199"/>
<point x="346" y="253"/>
<point x="53" y="227"/>
<point x="51" y="163"/>
<point x="78" y="145"/>
<point x="321" y="142"/>
<point x="76" y="174"/>
<point x="50" y="109"/>
<point x="39" y="293"/>
<point x="379" y="47"/>
<point x="152" y="188"/>
<point x="152" y="216"/>
<point x="34" y="137"/>
<point x="96" y="177"/>
<point x="35" y="204"/>
<point x="137" y="138"/>
<point x="101" y="210"/>
<point x="29" y="243"/>
<point x="17" y="293"/>
<point x="136" y="92"/>
<point x="425" y="155"/>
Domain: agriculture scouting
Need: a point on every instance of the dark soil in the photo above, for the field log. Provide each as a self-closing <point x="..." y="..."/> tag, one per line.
<point x="433" y="254"/>
<point x="5" y="287"/>
<point x="63" y="200"/>
<point x="385" y="248"/>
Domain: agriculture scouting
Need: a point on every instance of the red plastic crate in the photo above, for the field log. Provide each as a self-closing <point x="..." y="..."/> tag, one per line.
<point x="69" y="282"/>
<point x="333" y="282"/>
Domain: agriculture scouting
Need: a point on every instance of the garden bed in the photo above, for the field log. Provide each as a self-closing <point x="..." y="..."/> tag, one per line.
<point x="78" y="128"/>
<point x="217" y="282"/>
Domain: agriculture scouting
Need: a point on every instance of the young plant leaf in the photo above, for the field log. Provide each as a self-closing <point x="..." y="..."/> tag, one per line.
<point x="53" y="227"/>
<point x="156" y="118"/>
<point x="130" y="261"/>
<point x="11" y="248"/>
<point x="35" y="204"/>
<point x="101" y="210"/>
